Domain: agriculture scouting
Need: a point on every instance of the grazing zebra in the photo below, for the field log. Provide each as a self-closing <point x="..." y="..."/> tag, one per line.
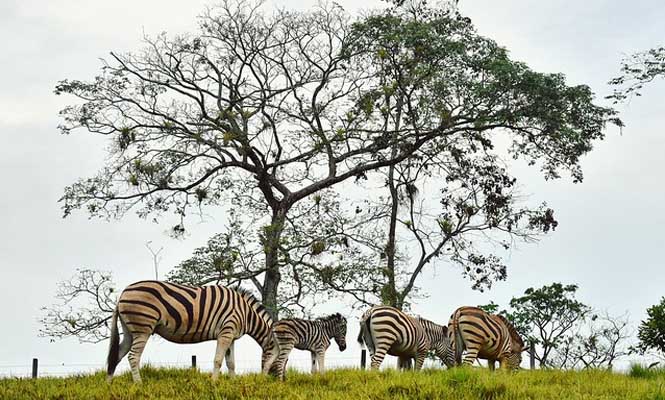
<point x="387" y="330"/>
<point x="487" y="336"/>
<point x="309" y="335"/>
<point x="185" y="314"/>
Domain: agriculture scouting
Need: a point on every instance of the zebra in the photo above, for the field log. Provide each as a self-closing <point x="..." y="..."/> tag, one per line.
<point x="185" y="314"/>
<point x="387" y="330"/>
<point x="487" y="336"/>
<point x="308" y="335"/>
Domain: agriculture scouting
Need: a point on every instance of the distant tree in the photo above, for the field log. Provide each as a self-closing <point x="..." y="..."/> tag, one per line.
<point x="651" y="331"/>
<point x="279" y="108"/>
<point x="551" y="312"/>
<point x="637" y="70"/>
<point x="568" y="334"/>
<point x="597" y="344"/>
<point x="83" y="307"/>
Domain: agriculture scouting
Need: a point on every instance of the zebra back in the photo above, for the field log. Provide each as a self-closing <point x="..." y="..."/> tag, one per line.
<point x="312" y="334"/>
<point x="389" y="323"/>
<point x="186" y="314"/>
<point x="439" y="342"/>
<point x="517" y="343"/>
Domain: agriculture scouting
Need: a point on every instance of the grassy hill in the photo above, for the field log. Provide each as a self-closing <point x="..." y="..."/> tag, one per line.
<point x="350" y="384"/>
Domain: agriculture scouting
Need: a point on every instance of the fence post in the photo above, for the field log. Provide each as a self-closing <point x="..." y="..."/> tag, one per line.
<point x="35" y="364"/>
<point x="532" y="354"/>
<point x="363" y="358"/>
<point x="194" y="362"/>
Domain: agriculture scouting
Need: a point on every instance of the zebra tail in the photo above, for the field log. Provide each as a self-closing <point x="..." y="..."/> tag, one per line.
<point x="361" y="335"/>
<point x="275" y="366"/>
<point x="365" y="335"/>
<point x="459" y="341"/>
<point x="114" y="347"/>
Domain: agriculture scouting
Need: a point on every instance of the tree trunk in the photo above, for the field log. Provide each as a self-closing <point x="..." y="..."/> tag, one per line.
<point x="272" y="235"/>
<point x="390" y="291"/>
<point x="393" y="299"/>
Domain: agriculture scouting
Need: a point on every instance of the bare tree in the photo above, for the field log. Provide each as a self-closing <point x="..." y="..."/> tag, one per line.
<point x="156" y="257"/>
<point x="599" y="344"/>
<point x="475" y="210"/>
<point x="84" y="305"/>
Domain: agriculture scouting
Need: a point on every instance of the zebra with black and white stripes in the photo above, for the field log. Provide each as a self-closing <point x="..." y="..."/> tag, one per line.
<point x="387" y="330"/>
<point x="185" y="314"/>
<point x="313" y="336"/>
<point x="487" y="336"/>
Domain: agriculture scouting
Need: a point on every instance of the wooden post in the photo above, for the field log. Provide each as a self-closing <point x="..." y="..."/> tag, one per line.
<point x="194" y="362"/>
<point x="363" y="358"/>
<point x="35" y="364"/>
<point x="532" y="355"/>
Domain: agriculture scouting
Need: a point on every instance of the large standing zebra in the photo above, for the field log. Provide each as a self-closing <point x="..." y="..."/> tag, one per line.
<point x="185" y="314"/>
<point x="387" y="330"/>
<point x="309" y="335"/>
<point x="487" y="336"/>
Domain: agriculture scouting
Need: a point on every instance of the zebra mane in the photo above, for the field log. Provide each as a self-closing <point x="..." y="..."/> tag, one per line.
<point x="431" y="323"/>
<point x="332" y="317"/>
<point x="516" y="338"/>
<point x="252" y="300"/>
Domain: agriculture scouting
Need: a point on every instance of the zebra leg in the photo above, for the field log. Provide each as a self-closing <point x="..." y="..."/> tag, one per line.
<point x="230" y="360"/>
<point x="223" y="344"/>
<point x="314" y="370"/>
<point x="403" y="362"/>
<point x="490" y="364"/>
<point x="380" y="353"/>
<point x="471" y="355"/>
<point x="135" y="351"/>
<point x="420" y="360"/>
<point x="320" y="360"/>
<point x="283" y="357"/>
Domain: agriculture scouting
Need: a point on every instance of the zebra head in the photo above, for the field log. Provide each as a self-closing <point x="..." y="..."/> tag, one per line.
<point x="514" y="360"/>
<point x="337" y="329"/>
<point x="443" y="348"/>
<point x="517" y="346"/>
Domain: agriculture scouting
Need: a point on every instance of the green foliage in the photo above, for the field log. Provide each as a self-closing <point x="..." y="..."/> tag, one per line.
<point x="548" y="314"/>
<point x="459" y="384"/>
<point x="440" y="60"/>
<point x="646" y="372"/>
<point x="651" y="331"/>
<point x="491" y="308"/>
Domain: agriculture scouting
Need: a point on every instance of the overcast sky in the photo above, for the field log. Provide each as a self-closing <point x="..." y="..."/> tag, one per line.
<point x="609" y="241"/>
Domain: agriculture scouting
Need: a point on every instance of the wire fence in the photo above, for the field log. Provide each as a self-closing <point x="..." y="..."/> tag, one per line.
<point x="242" y="366"/>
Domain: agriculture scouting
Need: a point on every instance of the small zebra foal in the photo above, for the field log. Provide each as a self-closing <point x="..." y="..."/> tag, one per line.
<point x="313" y="336"/>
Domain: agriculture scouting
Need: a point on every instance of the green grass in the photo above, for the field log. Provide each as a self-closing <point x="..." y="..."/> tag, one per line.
<point x="642" y="371"/>
<point x="460" y="383"/>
